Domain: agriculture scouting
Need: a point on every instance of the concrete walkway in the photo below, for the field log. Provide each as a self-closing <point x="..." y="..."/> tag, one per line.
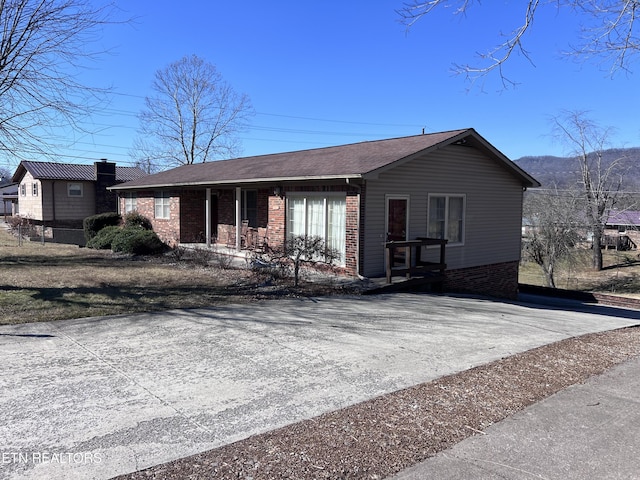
<point x="98" y="397"/>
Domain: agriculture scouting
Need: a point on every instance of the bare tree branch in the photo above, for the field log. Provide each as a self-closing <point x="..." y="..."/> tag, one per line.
<point x="194" y="117"/>
<point x="44" y="45"/>
<point x="608" y="32"/>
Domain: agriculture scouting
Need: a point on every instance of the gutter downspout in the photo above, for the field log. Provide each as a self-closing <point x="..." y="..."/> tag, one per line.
<point x="53" y="200"/>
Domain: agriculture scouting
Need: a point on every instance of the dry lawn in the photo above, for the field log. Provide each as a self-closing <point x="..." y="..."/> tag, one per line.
<point x="621" y="275"/>
<point x="52" y="282"/>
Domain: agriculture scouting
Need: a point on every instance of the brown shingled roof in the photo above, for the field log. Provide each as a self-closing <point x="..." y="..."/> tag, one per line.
<point x="70" y="171"/>
<point x="345" y="161"/>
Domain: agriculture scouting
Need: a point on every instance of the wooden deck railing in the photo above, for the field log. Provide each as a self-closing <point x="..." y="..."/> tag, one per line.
<point x="413" y="250"/>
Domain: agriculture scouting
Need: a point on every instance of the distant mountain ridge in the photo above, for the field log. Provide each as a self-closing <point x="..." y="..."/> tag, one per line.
<point x="562" y="171"/>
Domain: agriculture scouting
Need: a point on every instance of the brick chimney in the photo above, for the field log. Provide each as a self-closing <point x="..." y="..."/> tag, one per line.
<point x="105" y="175"/>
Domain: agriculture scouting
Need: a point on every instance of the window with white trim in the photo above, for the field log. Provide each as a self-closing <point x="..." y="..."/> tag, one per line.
<point x="162" y="205"/>
<point x="75" y="190"/>
<point x="23" y="189"/>
<point x="446" y="218"/>
<point x="130" y="202"/>
<point x="34" y="189"/>
<point x="319" y="215"/>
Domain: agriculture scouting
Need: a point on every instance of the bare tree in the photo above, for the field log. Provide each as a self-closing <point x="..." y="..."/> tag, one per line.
<point x="607" y="32"/>
<point x="194" y="116"/>
<point x="5" y="176"/>
<point x="553" y="229"/>
<point x="297" y="251"/>
<point x="600" y="179"/>
<point x="44" y="45"/>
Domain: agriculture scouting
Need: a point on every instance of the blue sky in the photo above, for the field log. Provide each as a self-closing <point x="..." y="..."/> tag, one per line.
<point x="334" y="72"/>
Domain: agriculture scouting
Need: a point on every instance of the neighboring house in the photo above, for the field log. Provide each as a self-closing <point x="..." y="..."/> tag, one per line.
<point x="8" y="199"/>
<point x="452" y="185"/>
<point x="623" y="220"/>
<point x="622" y="230"/>
<point x="62" y="195"/>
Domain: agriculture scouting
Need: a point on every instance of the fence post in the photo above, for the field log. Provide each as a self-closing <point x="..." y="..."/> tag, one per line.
<point x="43" y="227"/>
<point x="20" y="234"/>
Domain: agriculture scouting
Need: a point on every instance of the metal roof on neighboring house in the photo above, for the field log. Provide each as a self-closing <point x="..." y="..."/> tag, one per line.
<point x="70" y="171"/>
<point x="346" y="161"/>
<point x="624" y="217"/>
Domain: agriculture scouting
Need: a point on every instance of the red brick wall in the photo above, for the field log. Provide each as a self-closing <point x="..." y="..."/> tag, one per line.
<point x="192" y="216"/>
<point x="187" y="222"/>
<point x="227" y="215"/>
<point x="276" y="228"/>
<point x="497" y="280"/>
<point x="167" y="229"/>
<point x="353" y="233"/>
<point x="277" y="220"/>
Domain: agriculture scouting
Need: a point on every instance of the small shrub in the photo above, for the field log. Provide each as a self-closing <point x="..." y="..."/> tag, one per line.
<point x="134" y="219"/>
<point x="179" y="253"/>
<point x="104" y="238"/>
<point x="93" y="224"/>
<point x="23" y="226"/>
<point x="297" y="251"/>
<point x="201" y="256"/>
<point x="137" y="241"/>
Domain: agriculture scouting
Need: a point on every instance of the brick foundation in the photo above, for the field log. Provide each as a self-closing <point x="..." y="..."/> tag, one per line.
<point x="496" y="280"/>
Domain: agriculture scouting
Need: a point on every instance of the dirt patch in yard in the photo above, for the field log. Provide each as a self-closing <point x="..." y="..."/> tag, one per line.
<point x="380" y="437"/>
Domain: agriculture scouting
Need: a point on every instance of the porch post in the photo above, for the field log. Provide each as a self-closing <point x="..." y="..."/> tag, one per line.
<point x="238" y="218"/>
<point x="207" y="220"/>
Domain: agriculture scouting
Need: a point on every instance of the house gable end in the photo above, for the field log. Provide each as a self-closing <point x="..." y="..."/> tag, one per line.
<point x="466" y="139"/>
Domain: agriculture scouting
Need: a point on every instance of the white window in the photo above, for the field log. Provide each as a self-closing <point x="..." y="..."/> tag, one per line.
<point x="162" y="208"/>
<point x="446" y="217"/>
<point x="34" y="189"/>
<point x="74" y="190"/>
<point x="130" y="202"/>
<point x="23" y="189"/>
<point x="322" y="216"/>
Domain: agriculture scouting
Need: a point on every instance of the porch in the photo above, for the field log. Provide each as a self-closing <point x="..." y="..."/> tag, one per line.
<point x="406" y="258"/>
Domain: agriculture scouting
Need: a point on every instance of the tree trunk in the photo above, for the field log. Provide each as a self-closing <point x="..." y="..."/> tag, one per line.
<point x="548" y="273"/>
<point x="597" y="249"/>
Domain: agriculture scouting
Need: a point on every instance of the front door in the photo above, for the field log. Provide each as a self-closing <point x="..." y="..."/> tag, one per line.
<point x="397" y="211"/>
<point x="397" y="224"/>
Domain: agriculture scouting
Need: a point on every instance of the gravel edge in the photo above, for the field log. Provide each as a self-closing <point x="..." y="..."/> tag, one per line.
<point x="382" y="436"/>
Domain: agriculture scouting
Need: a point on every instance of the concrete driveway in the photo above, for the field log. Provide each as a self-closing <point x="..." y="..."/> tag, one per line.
<point x="98" y="397"/>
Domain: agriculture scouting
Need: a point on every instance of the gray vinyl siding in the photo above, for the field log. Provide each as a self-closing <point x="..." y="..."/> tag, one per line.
<point x="493" y="213"/>
<point x="66" y="207"/>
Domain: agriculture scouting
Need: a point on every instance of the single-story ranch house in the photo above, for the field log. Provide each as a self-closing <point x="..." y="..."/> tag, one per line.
<point x="453" y="185"/>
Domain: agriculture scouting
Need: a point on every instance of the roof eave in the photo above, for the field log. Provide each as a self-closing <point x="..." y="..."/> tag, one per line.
<point x="236" y="182"/>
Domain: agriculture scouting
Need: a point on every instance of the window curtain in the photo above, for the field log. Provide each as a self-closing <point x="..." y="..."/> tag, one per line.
<point x="296" y="218"/>
<point x="324" y="217"/>
<point x="315" y="217"/>
<point x="437" y="209"/>
<point x="454" y="226"/>
<point x="337" y="226"/>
